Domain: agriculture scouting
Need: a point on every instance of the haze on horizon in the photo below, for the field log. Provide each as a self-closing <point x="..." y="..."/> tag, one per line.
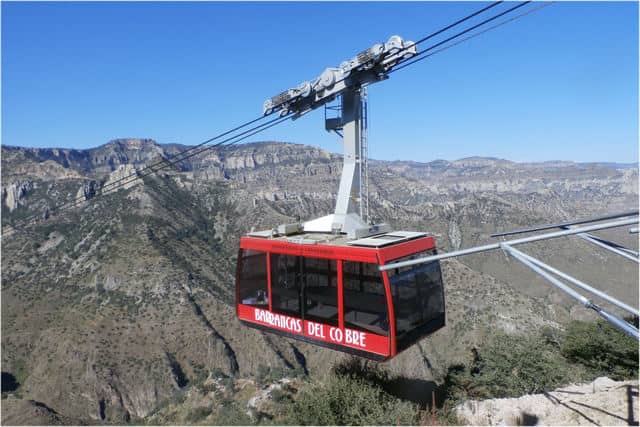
<point x="560" y="84"/>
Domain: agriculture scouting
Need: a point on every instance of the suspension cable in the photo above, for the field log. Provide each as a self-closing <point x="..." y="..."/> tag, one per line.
<point x="423" y="39"/>
<point x="163" y="164"/>
<point x="459" y="21"/>
<point x="415" y="58"/>
<point x="173" y="159"/>
<point x="499" y="24"/>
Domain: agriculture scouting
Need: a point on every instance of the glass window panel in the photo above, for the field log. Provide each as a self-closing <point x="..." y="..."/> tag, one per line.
<point x="321" y="290"/>
<point x="365" y="304"/>
<point x="418" y="295"/>
<point x="286" y="284"/>
<point x="252" y="275"/>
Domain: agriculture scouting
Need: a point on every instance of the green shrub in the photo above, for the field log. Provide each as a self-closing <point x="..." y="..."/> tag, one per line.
<point x="344" y="400"/>
<point x="197" y="414"/>
<point x="231" y="413"/>
<point x="509" y="366"/>
<point x="444" y="415"/>
<point x="281" y="396"/>
<point x="513" y="365"/>
<point x="602" y="349"/>
<point x="365" y="370"/>
<point x="268" y="375"/>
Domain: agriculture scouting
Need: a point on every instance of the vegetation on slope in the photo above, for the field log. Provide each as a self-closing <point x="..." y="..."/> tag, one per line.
<point x="354" y="394"/>
<point x="512" y="365"/>
<point x="601" y="349"/>
<point x="124" y="302"/>
<point x="359" y="392"/>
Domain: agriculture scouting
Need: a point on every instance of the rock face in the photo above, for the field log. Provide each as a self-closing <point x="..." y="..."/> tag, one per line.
<point x="117" y="305"/>
<point x="601" y="402"/>
<point x="87" y="190"/>
<point x="123" y="176"/>
<point x="30" y="412"/>
<point x="105" y="158"/>
<point x="14" y="192"/>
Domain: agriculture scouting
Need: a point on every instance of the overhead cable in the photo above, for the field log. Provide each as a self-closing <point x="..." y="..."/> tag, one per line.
<point x="201" y="147"/>
<point x="163" y="164"/>
<point x="419" y="56"/>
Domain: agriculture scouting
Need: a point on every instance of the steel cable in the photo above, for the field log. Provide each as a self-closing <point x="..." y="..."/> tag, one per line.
<point x="414" y="59"/>
<point x="163" y="164"/>
<point x="173" y="160"/>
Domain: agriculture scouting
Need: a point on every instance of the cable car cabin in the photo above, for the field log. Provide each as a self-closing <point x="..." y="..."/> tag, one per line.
<point x="327" y="290"/>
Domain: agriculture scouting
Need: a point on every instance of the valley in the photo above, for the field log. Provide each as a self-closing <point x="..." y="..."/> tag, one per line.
<point x="112" y="308"/>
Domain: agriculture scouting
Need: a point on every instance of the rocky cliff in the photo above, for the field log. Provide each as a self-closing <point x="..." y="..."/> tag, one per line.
<point x="113" y="307"/>
<point x="601" y="402"/>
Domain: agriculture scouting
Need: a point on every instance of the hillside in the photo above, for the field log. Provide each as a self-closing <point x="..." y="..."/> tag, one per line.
<point x="113" y="308"/>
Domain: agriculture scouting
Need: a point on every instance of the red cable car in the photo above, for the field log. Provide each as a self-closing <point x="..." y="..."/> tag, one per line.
<point x="320" y="281"/>
<point x="327" y="290"/>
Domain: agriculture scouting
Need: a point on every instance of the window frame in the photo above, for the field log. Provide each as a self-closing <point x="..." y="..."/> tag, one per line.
<point x="245" y="256"/>
<point x="407" y="337"/>
<point x="381" y="292"/>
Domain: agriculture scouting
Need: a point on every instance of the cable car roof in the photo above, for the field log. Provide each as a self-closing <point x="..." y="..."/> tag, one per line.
<point x="380" y="248"/>
<point x="312" y="238"/>
<point x="385" y="239"/>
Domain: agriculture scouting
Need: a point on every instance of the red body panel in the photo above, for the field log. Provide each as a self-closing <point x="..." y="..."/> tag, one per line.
<point x="269" y="282"/>
<point x="340" y="296"/>
<point x="363" y="341"/>
<point x="339" y="336"/>
<point x="392" y="313"/>
<point x="314" y="251"/>
<point x="400" y="250"/>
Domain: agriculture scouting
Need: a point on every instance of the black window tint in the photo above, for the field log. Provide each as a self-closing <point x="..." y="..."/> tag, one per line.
<point x="418" y="296"/>
<point x="320" y="290"/>
<point x="365" y="304"/>
<point x="252" y="277"/>
<point x="286" y="276"/>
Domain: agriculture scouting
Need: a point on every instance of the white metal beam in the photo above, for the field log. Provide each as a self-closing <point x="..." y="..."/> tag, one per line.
<point x="580" y="284"/>
<point x="624" y="252"/>
<point x="520" y="241"/>
<point x="565" y="224"/>
<point x="536" y="267"/>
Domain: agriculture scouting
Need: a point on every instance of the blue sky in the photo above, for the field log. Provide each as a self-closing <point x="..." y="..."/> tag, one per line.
<point x="561" y="83"/>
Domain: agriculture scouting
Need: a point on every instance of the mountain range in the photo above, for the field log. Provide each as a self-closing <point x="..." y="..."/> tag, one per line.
<point x="111" y="308"/>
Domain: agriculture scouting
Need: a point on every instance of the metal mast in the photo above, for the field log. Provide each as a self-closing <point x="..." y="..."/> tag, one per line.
<point x="348" y="82"/>
<point x="352" y="202"/>
<point x="353" y="193"/>
<point x="350" y="182"/>
<point x="364" y="155"/>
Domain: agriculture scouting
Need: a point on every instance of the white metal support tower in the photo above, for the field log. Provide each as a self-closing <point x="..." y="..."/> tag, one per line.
<point x="348" y="82"/>
<point x="351" y="214"/>
<point x="364" y="155"/>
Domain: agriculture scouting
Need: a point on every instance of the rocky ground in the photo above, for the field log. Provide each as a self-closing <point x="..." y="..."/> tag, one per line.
<point x="601" y="402"/>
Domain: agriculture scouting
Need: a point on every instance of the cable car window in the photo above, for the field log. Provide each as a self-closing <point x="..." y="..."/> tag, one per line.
<point x="286" y="284"/>
<point x="321" y="290"/>
<point x="418" y="296"/>
<point x="252" y="275"/>
<point x="365" y="304"/>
